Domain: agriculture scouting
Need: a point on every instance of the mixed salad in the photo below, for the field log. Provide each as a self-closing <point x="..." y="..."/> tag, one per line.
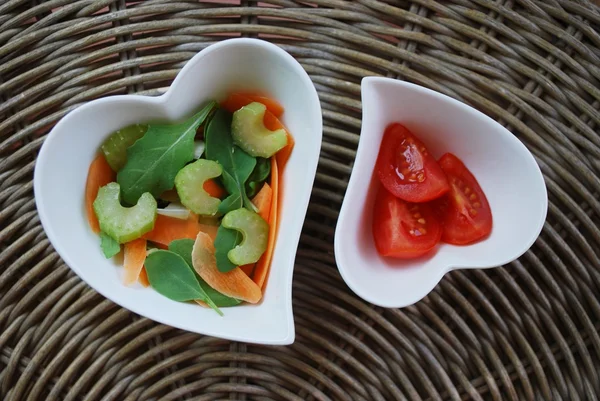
<point x="422" y="201"/>
<point x="193" y="205"/>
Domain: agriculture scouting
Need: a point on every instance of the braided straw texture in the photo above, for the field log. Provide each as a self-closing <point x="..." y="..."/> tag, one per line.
<point x="527" y="331"/>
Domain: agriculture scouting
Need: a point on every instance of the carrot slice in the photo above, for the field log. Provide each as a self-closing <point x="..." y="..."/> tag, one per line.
<point x="213" y="189"/>
<point x="262" y="201"/>
<point x="143" y="278"/>
<point x="209" y="229"/>
<point x="237" y="100"/>
<point x="248" y="269"/>
<point x="262" y="266"/>
<point x="133" y="261"/>
<point x="235" y="283"/>
<point x="167" y="229"/>
<point x="202" y="303"/>
<point x="272" y="123"/>
<point x="99" y="174"/>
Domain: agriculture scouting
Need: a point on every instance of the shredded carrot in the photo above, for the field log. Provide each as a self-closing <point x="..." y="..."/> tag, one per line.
<point x="262" y="266"/>
<point x="262" y="201"/>
<point x="214" y="189"/>
<point x="235" y="283"/>
<point x="202" y="303"/>
<point x="272" y="123"/>
<point x="209" y="229"/>
<point x="143" y="278"/>
<point x="99" y="174"/>
<point x="237" y="100"/>
<point x="133" y="261"/>
<point x="167" y="229"/>
<point x="248" y="269"/>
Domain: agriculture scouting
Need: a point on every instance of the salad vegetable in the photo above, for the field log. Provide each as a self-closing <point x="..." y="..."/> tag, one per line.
<point x="422" y="201"/>
<point x="249" y="132"/>
<point x="194" y="202"/>
<point x="115" y="147"/>
<point x="124" y="224"/>
<point x="189" y="182"/>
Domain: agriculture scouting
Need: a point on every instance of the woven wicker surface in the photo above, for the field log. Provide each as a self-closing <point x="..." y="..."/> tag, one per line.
<point x="520" y="332"/>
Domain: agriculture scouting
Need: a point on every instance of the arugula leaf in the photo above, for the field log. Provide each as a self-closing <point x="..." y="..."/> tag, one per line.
<point x="183" y="247"/>
<point x="154" y="159"/>
<point x="109" y="246"/>
<point x="171" y="276"/>
<point x="226" y="240"/>
<point x="237" y="164"/>
<point x="258" y="177"/>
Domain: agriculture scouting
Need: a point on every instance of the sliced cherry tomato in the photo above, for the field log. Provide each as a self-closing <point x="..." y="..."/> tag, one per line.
<point x="465" y="212"/>
<point x="402" y="229"/>
<point x="407" y="169"/>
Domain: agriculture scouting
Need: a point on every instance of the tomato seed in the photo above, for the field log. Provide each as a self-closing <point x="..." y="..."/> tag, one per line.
<point x="421" y="221"/>
<point x="417" y="215"/>
<point x="473" y="197"/>
<point x="477" y="205"/>
<point x="467" y="191"/>
<point x="473" y="212"/>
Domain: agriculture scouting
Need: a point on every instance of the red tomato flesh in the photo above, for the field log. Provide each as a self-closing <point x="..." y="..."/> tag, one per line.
<point x="402" y="229"/>
<point x="407" y="169"/>
<point x="465" y="212"/>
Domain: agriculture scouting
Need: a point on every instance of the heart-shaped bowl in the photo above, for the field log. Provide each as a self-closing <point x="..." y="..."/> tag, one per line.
<point x="62" y="165"/>
<point x="504" y="168"/>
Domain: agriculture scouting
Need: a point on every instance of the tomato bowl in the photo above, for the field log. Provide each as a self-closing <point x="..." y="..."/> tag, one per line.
<point x="240" y="64"/>
<point x="504" y="168"/>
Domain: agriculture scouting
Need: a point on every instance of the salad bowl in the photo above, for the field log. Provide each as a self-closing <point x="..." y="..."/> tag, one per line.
<point x="231" y="65"/>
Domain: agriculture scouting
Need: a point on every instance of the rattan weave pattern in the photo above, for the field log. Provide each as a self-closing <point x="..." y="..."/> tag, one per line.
<point x="527" y="331"/>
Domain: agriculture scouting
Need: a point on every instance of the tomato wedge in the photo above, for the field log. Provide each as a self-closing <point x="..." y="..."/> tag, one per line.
<point x="407" y="169"/>
<point x="464" y="212"/>
<point x="402" y="229"/>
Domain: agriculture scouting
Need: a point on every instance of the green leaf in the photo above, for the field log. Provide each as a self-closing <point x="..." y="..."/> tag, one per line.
<point x="183" y="247"/>
<point x="154" y="159"/>
<point x="170" y="275"/>
<point x="237" y="164"/>
<point x="109" y="246"/>
<point x="259" y="175"/>
<point x="225" y="241"/>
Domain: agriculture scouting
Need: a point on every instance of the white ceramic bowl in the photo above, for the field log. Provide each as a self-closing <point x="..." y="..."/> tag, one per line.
<point x="505" y="169"/>
<point x="62" y="165"/>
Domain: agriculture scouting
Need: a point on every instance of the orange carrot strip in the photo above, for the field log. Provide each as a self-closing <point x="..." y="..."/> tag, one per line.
<point x="167" y="229"/>
<point x="262" y="201"/>
<point x="143" y="278"/>
<point x="133" y="261"/>
<point x="201" y="303"/>
<point x="237" y="100"/>
<point x="272" y="123"/>
<point x="99" y="174"/>
<point x="209" y="229"/>
<point x="248" y="269"/>
<point x="214" y="189"/>
<point x="262" y="266"/>
<point x="234" y="283"/>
